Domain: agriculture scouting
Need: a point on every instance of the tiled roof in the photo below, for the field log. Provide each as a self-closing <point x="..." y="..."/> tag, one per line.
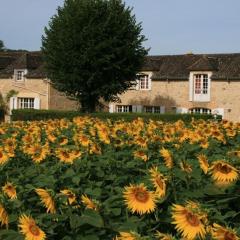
<point x="21" y="60"/>
<point x="223" y="66"/>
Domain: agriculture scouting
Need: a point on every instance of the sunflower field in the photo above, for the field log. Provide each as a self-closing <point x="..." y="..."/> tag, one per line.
<point x="92" y="179"/>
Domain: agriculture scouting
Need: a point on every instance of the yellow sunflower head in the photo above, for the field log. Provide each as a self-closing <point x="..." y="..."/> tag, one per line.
<point x="29" y="228"/>
<point x="167" y="157"/>
<point x="91" y="204"/>
<point x="46" y="200"/>
<point x="128" y="236"/>
<point x="3" y="156"/>
<point x="219" y="232"/>
<point x="140" y="154"/>
<point x="203" y="162"/>
<point x="189" y="220"/>
<point x="163" y="236"/>
<point x="10" y="190"/>
<point x="223" y="173"/>
<point x="139" y="199"/>
<point x="70" y="195"/>
<point x="158" y="181"/>
<point x="3" y="216"/>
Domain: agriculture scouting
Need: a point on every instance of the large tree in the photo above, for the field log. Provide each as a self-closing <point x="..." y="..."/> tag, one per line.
<point x="2" y="48"/>
<point x="93" y="50"/>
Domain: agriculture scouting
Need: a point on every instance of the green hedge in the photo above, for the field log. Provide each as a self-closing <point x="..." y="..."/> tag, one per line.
<point x="2" y="112"/>
<point x="32" y="115"/>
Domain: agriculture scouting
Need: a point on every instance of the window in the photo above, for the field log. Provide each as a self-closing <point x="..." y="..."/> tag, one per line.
<point x="152" y="109"/>
<point x="124" y="108"/>
<point x="200" y="110"/>
<point x="144" y="81"/>
<point x="25" y="103"/>
<point x="200" y="83"/>
<point x="19" y="74"/>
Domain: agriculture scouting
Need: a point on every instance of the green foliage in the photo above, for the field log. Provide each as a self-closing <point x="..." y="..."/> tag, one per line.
<point x="93" y="50"/>
<point x="2" y="47"/>
<point x="103" y="176"/>
<point x="36" y="115"/>
<point x="4" y="101"/>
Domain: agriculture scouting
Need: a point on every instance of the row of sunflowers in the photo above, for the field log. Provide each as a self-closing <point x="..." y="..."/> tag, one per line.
<point x="89" y="179"/>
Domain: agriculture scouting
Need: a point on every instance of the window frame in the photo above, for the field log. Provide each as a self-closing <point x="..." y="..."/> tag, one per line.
<point x="123" y="108"/>
<point x="203" y="91"/>
<point x="143" y="81"/>
<point x="16" y="75"/>
<point x="25" y="102"/>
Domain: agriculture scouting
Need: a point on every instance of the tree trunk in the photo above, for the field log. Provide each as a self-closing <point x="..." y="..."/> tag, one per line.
<point x="89" y="104"/>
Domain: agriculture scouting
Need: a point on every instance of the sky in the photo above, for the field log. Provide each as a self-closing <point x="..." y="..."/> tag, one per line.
<point x="170" y="26"/>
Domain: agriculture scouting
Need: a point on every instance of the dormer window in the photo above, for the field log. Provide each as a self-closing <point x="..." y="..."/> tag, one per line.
<point x="200" y="83"/>
<point x="19" y="74"/>
<point x="144" y="82"/>
<point x="199" y="86"/>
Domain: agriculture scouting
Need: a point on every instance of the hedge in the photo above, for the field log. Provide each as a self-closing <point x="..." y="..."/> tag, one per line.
<point x="2" y="113"/>
<point x="35" y="115"/>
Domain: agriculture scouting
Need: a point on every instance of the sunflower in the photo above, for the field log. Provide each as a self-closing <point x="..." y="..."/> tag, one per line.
<point x="164" y="236"/>
<point x="222" y="233"/>
<point x="3" y="156"/>
<point x="65" y="155"/>
<point x="95" y="149"/>
<point x="139" y="199"/>
<point x="88" y="202"/>
<point x="70" y="195"/>
<point x="158" y="181"/>
<point x="128" y="236"/>
<point x="203" y="162"/>
<point x="30" y="229"/>
<point x="140" y="154"/>
<point x="38" y="152"/>
<point x="185" y="167"/>
<point x="167" y="157"/>
<point x="189" y="220"/>
<point x="46" y="200"/>
<point x="223" y="173"/>
<point x="3" y="216"/>
<point x="10" y="190"/>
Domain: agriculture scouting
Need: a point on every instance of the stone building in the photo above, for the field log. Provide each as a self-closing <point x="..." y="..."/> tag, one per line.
<point x="23" y="72"/>
<point x="190" y="83"/>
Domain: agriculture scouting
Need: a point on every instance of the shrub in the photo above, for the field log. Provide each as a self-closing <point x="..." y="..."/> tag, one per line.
<point x="33" y="115"/>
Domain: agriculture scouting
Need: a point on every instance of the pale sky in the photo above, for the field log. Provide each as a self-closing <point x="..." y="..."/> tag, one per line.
<point x="171" y="26"/>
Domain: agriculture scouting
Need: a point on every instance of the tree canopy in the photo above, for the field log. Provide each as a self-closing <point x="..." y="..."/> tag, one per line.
<point x="2" y="47"/>
<point x="93" y="50"/>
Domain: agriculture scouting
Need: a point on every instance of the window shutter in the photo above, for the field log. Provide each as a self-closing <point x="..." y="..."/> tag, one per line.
<point x="137" y="85"/>
<point x="12" y="104"/>
<point x="149" y="83"/>
<point x="181" y="110"/>
<point x="162" y="109"/>
<point x="134" y="108"/>
<point x="111" y="108"/>
<point x="218" y="111"/>
<point x="139" y="108"/>
<point x="36" y="103"/>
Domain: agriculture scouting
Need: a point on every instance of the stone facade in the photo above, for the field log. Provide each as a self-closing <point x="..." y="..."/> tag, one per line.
<point x="173" y="96"/>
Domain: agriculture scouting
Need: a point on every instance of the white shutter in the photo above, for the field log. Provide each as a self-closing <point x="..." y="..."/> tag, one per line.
<point x="162" y="109"/>
<point x="139" y="108"/>
<point x="111" y="107"/>
<point x="12" y="104"/>
<point x="134" y="108"/>
<point x="36" y="103"/>
<point x="137" y="85"/>
<point x="181" y="110"/>
<point x="149" y="83"/>
<point x="218" y="111"/>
